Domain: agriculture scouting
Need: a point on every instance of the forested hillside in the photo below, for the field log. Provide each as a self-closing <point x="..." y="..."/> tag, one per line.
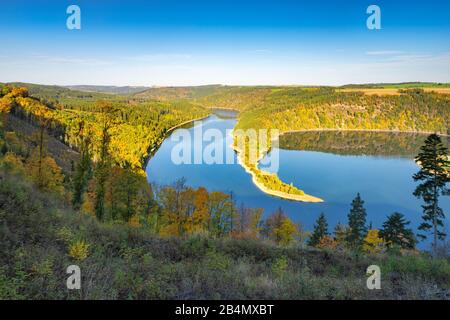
<point x="135" y="127"/>
<point x="324" y="108"/>
<point x="300" y="108"/>
<point x="373" y="143"/>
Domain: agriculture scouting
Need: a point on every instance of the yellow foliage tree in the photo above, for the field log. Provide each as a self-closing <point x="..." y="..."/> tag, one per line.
<point x="45" y="172"/>
<point x="373" y="243"/>
<point x="13" y="163"/>
<point x="286" y="232"/>
<point x="200" y="218"/>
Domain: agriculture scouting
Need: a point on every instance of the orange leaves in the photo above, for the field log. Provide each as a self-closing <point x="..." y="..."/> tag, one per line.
<point x="327" y="242"/>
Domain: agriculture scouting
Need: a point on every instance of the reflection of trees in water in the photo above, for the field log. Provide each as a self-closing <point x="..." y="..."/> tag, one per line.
<point x="373" y="143"/>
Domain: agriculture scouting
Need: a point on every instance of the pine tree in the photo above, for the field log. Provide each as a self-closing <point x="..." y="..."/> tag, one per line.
<point x="320" y="231"/>
<point x="395" y="233"/>
<point x="357" y="223"/>
<point x="434" y="174"/>
<point x="103" y="167"/>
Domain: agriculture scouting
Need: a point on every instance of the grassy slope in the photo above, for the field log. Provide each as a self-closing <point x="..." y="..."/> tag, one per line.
<point x="129" y="263"/>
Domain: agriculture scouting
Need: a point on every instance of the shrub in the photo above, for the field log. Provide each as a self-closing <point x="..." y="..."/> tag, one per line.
<point x="79" y="250"/>
<point x="279" y="266"/>
<point x="217" y="261"/>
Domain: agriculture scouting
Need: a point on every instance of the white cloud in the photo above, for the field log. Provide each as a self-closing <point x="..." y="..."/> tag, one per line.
<point x="160" y="57"/>
<point x="383" y="52"/>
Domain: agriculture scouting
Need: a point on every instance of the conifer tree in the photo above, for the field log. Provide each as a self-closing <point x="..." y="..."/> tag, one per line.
<point x="320" y="230"/>
<point x="395" y="233"/>
<point x="103" y="167"/>
<point x="357" y="223"/>
<point x="434" y="175"/>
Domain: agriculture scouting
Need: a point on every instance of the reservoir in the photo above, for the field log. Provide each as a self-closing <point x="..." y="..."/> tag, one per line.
<point x="332" y="165"/>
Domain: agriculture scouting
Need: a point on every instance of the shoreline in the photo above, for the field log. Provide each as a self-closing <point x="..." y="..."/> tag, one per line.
<point x="365" y="130"/>
<point x="279" y="194"/>
<point x="307" y="197"/>
<point x="151" y="152"/>
<point x="259" y="185"/>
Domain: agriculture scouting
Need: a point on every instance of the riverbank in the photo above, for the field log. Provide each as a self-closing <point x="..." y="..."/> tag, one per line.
<point x="288" y="196"/>
<point x="151" y="152"/>
<point x="365" y="130"/>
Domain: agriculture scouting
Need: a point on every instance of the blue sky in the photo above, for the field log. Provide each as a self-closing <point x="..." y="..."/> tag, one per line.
<point x="168" y="42"/>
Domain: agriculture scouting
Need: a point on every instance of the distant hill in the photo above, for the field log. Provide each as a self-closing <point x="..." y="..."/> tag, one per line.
<point x="109" y="89"/>
<point x="179" y="93"/>
<point x="58" y="92"/>
<point x="401" y="85"/>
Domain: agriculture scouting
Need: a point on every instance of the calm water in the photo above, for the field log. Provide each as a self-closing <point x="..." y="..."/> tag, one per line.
<point x="378" y="166"/>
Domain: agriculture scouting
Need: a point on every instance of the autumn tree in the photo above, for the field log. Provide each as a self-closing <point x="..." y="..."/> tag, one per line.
<point x="320" y="231"/>
<point x="327" y="242"/>
<point x="434" y="176"/>
<point x="177" y="206"/>
<point x="45" y="172"/>
<point x="373" y="243"/>
<point x="279" y="228"/>
<point x="6" y="104"/>
<point x="395" y="233"/>
<point x="356" y="223"/>
<point x="18" y="92"/>
<point x="199" y="221"/>
<point x="13" y="163"/>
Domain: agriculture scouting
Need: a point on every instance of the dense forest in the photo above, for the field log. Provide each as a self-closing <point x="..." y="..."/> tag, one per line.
<point x="386" y="144"/>
<point x="73" y="190"/>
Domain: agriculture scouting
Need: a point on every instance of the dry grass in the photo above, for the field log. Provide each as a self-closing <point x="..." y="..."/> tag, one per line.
<point x="377" y="91"/>
<point x="438" y="90"/>
<point x="390" y="91"/>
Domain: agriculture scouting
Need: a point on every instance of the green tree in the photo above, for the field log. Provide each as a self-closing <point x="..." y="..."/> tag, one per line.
<point x="395" y="233"/>
<point x="220" y="208"/>
<point x="357" y="223"/>
<point x="320" y="231"/>
<point x="434" y="175"/>
<point x="103" y="167"/>
<point x="83" y="169"/>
